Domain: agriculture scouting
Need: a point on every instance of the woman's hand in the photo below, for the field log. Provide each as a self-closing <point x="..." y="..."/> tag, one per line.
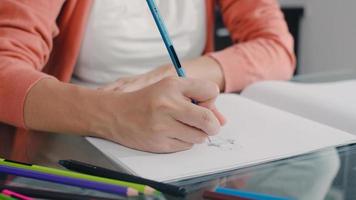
<point x="202" y="68"/>
<point x="161" y="118"/>
<point x="158" y="118"/>
<point x="137" y="82"/>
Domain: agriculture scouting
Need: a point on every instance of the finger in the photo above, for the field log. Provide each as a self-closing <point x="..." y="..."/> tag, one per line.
<point x="113" y="86"/>
<point x="175" y="145"/>
<point x="131" y="87"/>
<point x="188" y="134"/>
<point x="210" y="104"/>
<point x="136" y="84"/>
<point x="219" y="116"/>
<point x="205" y="93"/>
<point x="198" y="117"/>
<point x="109" y="87"/>
<point x="199" y="90"/>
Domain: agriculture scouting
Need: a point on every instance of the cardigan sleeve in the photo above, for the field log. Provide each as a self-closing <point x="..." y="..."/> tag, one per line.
<point x="27" y="29"/>
<point x="263" y="46"/>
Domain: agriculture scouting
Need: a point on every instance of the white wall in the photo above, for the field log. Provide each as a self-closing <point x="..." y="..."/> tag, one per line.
<point x="328" y="35"/>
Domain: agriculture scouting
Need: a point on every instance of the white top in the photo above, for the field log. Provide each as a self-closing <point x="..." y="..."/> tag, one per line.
<point x="121" y="38"/>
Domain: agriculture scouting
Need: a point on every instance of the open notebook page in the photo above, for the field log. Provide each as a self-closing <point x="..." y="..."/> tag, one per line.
<point x="255" y="133"/>
<point x="332" y="103"/>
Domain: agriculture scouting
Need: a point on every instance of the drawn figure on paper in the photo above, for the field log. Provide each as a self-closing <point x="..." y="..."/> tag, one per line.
<point x="222" y="143"/>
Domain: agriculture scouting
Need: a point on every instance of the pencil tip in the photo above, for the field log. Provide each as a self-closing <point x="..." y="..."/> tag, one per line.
<point x="149" y="190"/>
<point x="132" y="192"/>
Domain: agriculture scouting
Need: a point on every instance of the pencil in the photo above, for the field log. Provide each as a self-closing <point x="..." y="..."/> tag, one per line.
<point x="103" y="172"/>
<point x="115" y="189"/>
<point x="167" y="41"/>
<point x="139" y="187"/>
<point x="13" y="194"/>
<point x="165" y="37"/>
<point x="4" y="197"/>
<point x="248" y="195"/>
<point x="48" y="194"/>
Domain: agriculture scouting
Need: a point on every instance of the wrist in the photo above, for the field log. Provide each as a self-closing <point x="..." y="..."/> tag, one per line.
<point x="59" y="107"/>
<point x="104" y="114"/>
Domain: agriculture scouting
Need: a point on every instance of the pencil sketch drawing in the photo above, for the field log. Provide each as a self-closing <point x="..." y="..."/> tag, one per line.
<point x="223" y="143"/>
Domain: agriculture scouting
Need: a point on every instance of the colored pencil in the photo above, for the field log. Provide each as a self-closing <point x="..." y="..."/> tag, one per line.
<point x="248" y="195"/>
<point x="218" y="196"/>
<point x="66" y="173"/>
<point x="48" y="194"/>
<point x="5" y="197"/>
<point x="13" y="194"/>
<point x="115" y="189"/>
<point x="165" y="37"/>
<point x="103" y="172"/>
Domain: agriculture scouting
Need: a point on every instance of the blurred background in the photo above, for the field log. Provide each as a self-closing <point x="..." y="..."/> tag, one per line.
<point x="325" y="34"/>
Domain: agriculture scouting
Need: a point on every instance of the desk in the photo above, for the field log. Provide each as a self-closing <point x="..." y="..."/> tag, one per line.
<point x="329" y="173"/>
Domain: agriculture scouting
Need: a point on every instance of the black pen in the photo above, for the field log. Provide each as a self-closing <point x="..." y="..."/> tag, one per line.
<point x="85" y="168"/>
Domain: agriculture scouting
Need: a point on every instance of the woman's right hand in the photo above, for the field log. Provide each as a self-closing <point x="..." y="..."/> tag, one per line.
<point x="161" y="118"/>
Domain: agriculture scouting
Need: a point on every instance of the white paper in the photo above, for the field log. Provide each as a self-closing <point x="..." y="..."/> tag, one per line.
<point x="254" y="134"/>
<point x="333" y="103"/>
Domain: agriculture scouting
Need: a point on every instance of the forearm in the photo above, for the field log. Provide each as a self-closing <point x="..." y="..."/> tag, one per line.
<point x="263" y="46"/>
<point x="256" y="60"/>
<point x="63" y="108"/>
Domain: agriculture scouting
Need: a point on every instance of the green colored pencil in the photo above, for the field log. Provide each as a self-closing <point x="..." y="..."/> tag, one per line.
<point x="4" y="197"/>
<point x="139" y="187"/>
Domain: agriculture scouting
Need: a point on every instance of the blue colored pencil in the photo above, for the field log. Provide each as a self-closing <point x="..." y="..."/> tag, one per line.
<point x="167" y="40"/>
<point x="115" y="189"/>
<point x="165" y="36"/>
<point x="248" y="195"/>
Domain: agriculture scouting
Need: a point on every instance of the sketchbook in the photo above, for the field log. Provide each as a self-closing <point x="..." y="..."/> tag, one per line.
<point x="267" y="122"/>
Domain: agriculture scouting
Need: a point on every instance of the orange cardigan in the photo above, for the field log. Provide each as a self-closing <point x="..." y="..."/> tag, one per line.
<point x="41" y="38"/>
